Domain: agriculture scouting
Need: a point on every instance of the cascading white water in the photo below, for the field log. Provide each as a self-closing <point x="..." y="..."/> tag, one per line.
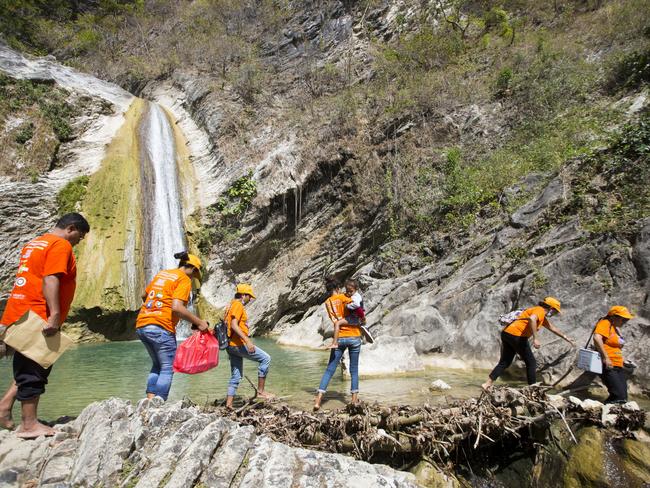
<point x="166" y="226"/>
<point x="164" y="233"/>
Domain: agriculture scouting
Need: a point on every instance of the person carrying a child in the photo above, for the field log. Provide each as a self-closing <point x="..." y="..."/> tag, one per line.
<point x="240" y="346"/>
<point x="354" y="313"/>
<point x="349" y="337"/>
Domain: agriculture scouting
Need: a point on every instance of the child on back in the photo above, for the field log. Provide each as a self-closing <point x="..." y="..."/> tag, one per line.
<point x="355" y="313"/>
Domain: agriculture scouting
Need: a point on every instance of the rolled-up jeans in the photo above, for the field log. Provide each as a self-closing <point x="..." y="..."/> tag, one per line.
<point x="161" y="346"/>
<point x="236" y="354"/>
<point x="354" y="345"/>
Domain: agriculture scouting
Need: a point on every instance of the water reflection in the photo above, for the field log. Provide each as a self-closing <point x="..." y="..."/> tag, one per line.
<point x="98" y="371"/>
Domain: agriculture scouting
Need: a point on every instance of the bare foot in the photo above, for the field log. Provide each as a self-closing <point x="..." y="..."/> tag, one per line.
<point x="36" y="431"/>
<point x="6" y="422"/>
<point x="265" y="395"/>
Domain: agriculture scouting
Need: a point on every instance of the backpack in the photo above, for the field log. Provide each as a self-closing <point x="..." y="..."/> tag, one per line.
<point x="508" y="318"/>
<point x="222" y="332"/>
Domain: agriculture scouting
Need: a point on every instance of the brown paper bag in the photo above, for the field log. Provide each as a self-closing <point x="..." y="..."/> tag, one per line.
<point x="26" y="336"/>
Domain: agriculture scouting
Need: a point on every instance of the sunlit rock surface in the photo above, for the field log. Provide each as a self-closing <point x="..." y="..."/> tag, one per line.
<point x="113" y="443"/>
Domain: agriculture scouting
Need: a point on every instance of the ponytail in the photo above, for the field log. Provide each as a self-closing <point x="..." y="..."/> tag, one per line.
<point x="183" y="258"/>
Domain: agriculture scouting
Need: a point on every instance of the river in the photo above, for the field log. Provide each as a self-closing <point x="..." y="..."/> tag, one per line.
<point x="91" y="372"/>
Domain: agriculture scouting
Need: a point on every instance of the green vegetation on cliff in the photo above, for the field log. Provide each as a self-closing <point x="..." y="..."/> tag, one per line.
<point x="35" y="118"/>
<point x="445" y="110"/>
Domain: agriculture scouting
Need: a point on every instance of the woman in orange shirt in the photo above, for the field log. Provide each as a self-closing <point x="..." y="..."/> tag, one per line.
<point x="515" y="336"/>
<point x="164" y="304"/>
<point x="608" y="343"/>
<point x="350" y="338"/>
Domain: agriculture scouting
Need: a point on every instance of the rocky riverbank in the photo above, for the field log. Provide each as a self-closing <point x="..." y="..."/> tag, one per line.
<point x="509" y="438"/>
<point x="113" y="443"/>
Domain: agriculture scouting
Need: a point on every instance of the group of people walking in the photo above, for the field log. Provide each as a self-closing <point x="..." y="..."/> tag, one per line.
<point x="46" y="280"/>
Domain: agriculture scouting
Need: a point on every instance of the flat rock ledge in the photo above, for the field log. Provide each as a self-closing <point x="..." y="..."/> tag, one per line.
<point x="112" y="443"/>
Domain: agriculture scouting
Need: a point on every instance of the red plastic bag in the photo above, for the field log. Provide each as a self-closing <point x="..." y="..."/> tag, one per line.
<point x="198" y="353"/>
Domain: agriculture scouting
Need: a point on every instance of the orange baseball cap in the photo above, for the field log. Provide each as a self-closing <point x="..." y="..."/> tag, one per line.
<point x="553" y="303"/>
<point x="621" y="311"/>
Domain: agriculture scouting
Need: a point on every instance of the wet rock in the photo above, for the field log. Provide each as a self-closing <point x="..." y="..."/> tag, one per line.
<point x="439" y="385"/>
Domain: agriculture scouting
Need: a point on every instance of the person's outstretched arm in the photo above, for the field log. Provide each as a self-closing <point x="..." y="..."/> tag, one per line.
<point x="559" y="333"/>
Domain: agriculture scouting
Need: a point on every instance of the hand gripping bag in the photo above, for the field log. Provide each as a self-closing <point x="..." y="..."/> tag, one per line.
<point x="198" y="353"/>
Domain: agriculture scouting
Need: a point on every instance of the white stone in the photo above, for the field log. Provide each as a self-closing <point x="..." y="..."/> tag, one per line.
<point x="388" y="355"/>
<point x="439" y="385"/>
<point x="631" y="406"/>
<point x="589" y="404"/>
<point x="575" y="401"/>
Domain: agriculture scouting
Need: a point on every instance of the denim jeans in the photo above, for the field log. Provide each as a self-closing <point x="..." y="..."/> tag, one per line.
<point x="161" y="346"/>
<point x="354" y="345"/>
<point x="236" y="354"/>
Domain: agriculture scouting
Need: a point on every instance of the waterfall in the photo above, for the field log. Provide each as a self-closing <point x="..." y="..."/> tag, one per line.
<point x="163" y="223"/>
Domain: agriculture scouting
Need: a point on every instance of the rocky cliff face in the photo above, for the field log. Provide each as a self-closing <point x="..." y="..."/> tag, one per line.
<point x="313" y="216"/>
<point x="328" y="188"/>
<point x="113" y="443"/>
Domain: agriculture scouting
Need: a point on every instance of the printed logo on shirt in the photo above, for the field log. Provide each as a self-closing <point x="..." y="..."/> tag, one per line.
<point x="159" y="295"/>
<point x="159" y="304"/>
<point x="20" y="281"/>
<point x="149" y="304"/>
<point x="152" y="294"/>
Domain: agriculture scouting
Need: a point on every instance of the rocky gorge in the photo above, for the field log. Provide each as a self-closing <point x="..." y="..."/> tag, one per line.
<point x="357" y="139"/>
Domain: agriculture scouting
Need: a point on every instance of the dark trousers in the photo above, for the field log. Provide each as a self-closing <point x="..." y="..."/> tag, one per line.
<point x="30" y="377"/>
<point x="512" y="345"/>
<point x="616" y="383"/>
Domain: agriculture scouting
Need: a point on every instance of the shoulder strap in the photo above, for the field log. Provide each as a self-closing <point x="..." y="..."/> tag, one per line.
<point x="594" y="331"/>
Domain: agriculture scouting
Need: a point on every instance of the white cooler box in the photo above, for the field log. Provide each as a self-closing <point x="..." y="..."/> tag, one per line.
<point x="589" y="360"/>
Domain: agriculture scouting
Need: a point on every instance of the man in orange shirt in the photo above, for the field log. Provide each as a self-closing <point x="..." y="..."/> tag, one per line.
<point x="241" y="346"/>
<point x="609" y="344"/>
<point x="515" y="337"/>
<point x="45" y="283"/>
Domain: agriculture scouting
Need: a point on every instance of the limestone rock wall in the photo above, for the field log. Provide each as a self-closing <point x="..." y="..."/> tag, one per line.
<point x="113" y="443"/>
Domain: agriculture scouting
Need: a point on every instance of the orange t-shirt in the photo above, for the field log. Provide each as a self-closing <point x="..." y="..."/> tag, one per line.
<point x="521" y="327"/>
<point x="238" y="312"/>
<point x="611" y="341"/>
<point x="157" y="307"/>
<point x="43" y="256"/>
<point x="336" y="309"/>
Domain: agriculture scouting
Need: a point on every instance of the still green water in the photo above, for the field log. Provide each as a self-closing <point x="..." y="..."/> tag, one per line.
<point x="92" y="372"/>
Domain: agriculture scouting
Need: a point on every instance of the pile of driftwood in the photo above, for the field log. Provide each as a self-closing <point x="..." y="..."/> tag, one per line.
<point x="438" y="433"/>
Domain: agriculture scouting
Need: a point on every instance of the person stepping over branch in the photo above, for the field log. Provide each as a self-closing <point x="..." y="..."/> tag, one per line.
<point x="515" y="339"/>
<point x="241" y="347"/>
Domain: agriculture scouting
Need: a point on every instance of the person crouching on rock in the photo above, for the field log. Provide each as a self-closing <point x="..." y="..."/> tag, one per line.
<point x="515" y="336"/>
<point x="45" y="283"/>
<point x="608" y="343"/>
<point x="349" y="338"/>
<point x="164" y="304"/>
<point x="240" y="345"/>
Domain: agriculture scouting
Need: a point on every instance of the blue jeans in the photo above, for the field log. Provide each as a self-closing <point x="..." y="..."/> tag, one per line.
<point x="161" y="346"/>
<point x="354" y="345"/>
<point x="236" y="354"/>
